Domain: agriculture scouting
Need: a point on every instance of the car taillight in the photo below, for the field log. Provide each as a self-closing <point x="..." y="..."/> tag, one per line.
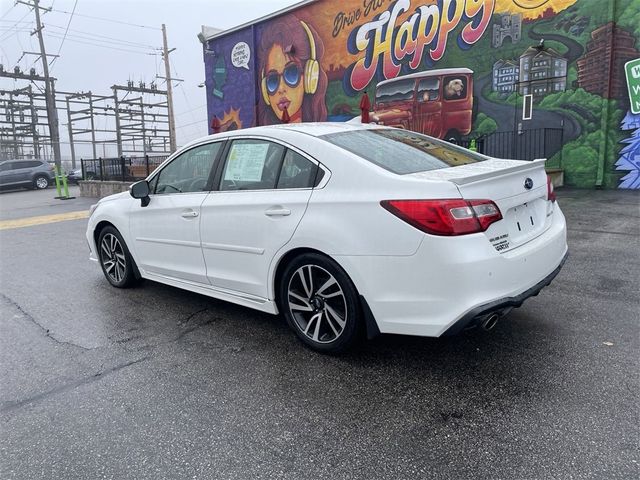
<point x="446" y="217"/>
<point x="551" y="194"/>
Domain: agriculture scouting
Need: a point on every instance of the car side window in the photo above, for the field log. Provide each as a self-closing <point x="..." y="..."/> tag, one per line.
<point x="297" y="171"/>
<point x="189" y="172"/>
<point x="5" y="166"/>
<point x="252" y="165"/>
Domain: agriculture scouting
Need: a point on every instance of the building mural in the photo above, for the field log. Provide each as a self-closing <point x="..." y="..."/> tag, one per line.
<point x="630" y="154"/>
<point x="506" y="75"/>
<point x="542" y="71"/>
<point x="455" y="69"/>
<point x="510" y="26"/>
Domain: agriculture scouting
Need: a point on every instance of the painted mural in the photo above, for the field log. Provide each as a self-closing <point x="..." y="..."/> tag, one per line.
<point x="456" y="69"/>
<point x="629" y="160"/>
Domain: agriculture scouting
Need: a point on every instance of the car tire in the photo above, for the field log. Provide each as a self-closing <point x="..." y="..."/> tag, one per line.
<point x="41" y="182"/>
<point x="320" y="303"/>
<point x="115" y="259"/>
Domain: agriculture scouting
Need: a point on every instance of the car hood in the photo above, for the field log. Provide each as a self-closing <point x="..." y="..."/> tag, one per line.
<point x="115" y="196"/>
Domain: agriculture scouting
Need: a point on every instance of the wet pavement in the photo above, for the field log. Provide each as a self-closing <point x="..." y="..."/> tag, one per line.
<point x="155" y="382"/>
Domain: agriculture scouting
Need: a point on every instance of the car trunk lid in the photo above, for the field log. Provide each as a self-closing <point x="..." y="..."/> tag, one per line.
<point x="518" y="188"/>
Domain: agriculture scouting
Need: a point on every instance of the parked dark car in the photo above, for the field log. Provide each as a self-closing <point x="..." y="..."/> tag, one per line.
<point x="75" y="175"/>
<point x="26" y="173"/>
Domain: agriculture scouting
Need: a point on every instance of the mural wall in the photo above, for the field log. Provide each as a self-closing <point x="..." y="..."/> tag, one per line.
<point x="455" y="69"/>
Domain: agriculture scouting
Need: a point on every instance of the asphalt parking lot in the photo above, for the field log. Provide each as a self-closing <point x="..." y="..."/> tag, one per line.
<point x="156" y="382"/>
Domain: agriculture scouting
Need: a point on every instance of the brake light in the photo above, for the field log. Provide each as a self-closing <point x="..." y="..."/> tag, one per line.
<point x="551" y="194"/>
<point x="445" y="217"/>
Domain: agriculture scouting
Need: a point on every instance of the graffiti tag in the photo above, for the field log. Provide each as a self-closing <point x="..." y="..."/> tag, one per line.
<point x="387" y="46"/>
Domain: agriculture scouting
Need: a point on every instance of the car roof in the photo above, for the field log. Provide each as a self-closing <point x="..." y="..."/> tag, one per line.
<point x="22" y="160"/>
<point x="315" y="129"/>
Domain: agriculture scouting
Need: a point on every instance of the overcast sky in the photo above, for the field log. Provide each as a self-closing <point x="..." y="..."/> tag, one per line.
<point x="98" y="52"/>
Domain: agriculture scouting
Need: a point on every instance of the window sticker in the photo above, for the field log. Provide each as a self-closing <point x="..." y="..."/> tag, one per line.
<point x="246" y="162"/>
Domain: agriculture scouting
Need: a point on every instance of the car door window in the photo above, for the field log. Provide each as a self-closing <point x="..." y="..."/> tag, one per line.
<point x="189" y="172"/>
<point x="31" y="164"/>
<point x="297" y="171"/>
<point x="252" y="165"/>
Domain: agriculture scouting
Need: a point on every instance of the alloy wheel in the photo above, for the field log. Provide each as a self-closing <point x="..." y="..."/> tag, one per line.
<point x="113" y="257"/>
<point x="42" y="182"/>
<point x="317" y="304"/>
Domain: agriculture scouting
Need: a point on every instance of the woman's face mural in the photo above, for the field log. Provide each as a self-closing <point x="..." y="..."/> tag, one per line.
<point x="291" y="77"/>
<point x="284" y="83"/>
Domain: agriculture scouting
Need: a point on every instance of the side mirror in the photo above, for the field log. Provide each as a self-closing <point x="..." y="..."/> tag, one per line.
<point x="141" y="190"/>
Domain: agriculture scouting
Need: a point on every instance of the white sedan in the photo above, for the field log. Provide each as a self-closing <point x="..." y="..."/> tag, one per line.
<point x="344" y="229"/>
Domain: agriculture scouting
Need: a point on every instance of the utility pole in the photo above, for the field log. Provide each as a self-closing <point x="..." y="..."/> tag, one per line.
<point x="70" y="128"/>
<point x="116" y="109"/>
<point x="167" y="69"/>
<point x="52" y="113"/>
<point x="13" y="126"/>
<point x="93" y="126"/>
<point x="144" y="129"/>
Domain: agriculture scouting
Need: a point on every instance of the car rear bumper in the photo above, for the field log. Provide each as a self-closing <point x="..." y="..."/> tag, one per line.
<point x="452" y="281"/>
<point x="478" y="314"/>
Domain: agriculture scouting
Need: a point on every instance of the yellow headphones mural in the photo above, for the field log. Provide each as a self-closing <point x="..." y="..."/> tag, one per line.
<point x="311" y="71"/>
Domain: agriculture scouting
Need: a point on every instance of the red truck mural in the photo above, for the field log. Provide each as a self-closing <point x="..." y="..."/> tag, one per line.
<point x="435" y="102"/>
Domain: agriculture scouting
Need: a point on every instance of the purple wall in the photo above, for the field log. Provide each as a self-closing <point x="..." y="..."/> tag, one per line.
<point x="230" y="80"/>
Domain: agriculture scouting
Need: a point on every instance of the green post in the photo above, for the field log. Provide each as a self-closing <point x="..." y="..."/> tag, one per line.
<point x="472" y="145"/>
<point x="57" y="182"/>
<point x="66" y="187"/>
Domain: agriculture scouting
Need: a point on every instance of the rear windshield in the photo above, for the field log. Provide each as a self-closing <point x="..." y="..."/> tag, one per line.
<point x="402" y="151"/>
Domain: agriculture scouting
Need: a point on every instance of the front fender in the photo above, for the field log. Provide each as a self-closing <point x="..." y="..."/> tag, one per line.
<point x="115" y="211"/>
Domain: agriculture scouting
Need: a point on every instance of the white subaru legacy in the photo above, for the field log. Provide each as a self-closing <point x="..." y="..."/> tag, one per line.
<point x="345" y="229"/>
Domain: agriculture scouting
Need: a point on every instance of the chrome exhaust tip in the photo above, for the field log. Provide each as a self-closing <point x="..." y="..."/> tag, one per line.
<point x="490" y="322"/>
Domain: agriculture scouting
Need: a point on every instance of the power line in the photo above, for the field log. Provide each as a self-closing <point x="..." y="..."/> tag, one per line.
<point x="14" y="30"/>
<point x="107" y="19"/>
<point x="75" y="4"/>
<point x="120" y="43"/>
<point x="92" y="34"/>
<point x="86" y="38"/>
<point x="14" y="25"/>
<point x="7" y="13"/>
<point x="105" y="46"/>
<point x="204" y="122"/>
<point x="195" y="108"/>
